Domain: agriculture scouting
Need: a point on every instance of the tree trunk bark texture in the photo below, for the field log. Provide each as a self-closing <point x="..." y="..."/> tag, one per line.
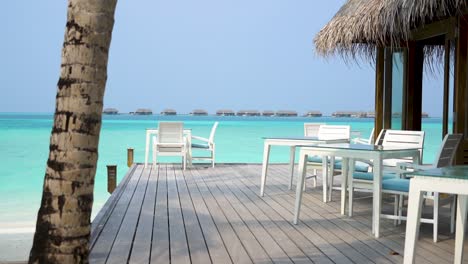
<point x="63" y="222"/>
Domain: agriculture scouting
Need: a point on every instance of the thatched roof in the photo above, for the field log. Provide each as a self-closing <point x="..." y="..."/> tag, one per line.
<point x="143" y="111"/>
<point x="268" y="113"/>
<point x="360" y="25"/>
<point x="286" y="113"/>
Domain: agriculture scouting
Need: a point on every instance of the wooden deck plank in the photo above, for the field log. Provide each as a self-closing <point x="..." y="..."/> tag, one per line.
<point x="103" y="215"/>
<point x="196" y="240"/>
<point x="141" y="249"/>
<point x="160" y="250"/>
<point x="265" y="239"/>
<point x="265" y="213"/>
<point x="386" y="227"/>
<point x="214" y="241"/>
<point x="178" y="239"/>
<point x="426" y="245"/>
<point x="105" y="241"/>
<point x="206" y="215"/>
<point x="232" y="228"/>
<point x="123" y="242"/>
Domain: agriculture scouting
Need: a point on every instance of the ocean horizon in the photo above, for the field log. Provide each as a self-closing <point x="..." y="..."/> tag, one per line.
<point x="24" y="141"/>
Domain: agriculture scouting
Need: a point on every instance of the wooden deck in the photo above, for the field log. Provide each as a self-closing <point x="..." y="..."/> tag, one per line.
<point x="204" y="215"/>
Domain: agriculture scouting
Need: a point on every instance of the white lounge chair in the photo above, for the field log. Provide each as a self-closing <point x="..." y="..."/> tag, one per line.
<point x="400" y="185"/>
<point x="170" y="141"/>
<point x="208" y="145"/>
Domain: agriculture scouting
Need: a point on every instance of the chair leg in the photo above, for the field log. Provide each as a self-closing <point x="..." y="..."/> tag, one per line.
<point x="452" y="214"/>
<point x="155" y="157"/>
<point x="401" y="200"/>
<point x="396" y="209"/>
<point x="315" y="180"/>
<point x="184" y="162"/>
<point x="213" y="158"/>
<point x="436" y="216"/>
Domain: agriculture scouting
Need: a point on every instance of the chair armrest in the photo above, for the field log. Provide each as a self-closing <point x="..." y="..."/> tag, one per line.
<point x="361" y="141"/>
<point x="407" y="165"/>
<point x="200" y="138"/>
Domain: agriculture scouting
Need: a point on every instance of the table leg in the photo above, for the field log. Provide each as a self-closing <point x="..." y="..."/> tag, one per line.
<point x="344" y="184"/>
<point x="350" y="187"/>
<point x="460" y="227"/>
<point x="266" y="156"/>
<point x="299" y="186"/>
<point x="292" y="156"/>
<point x="330" y="177"/>
<point x="413" y="221"/>
<point x="325" y="177"/>
<point x="377" y="197"/>
<point x="147" y="148"/>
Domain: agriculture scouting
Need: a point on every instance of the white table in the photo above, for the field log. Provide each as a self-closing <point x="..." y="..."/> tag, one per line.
<point x="294" y="142"/>
<point x="154" y="132"/>
<point x="349" y="152"/>
<point x="452" y="180"/>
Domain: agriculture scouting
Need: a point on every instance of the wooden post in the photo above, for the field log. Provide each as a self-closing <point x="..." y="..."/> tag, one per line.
<point x="129" y="157"/>
<point x="412" y="99"/>
<point x="111" y="178"/>
<point x="461" y="68"/>
<point x="379" y="91"/>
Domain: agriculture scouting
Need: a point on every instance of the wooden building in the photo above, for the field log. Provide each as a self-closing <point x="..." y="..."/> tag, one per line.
<point x="225" y="112"/>
<point x="248" y="113"/>
<point x="402" y="38"/>
<point x="110" y="111"/>
<point x="286" y="113"/>
<point x="268" y="113"/>
<point x="313" y="114"/>
<point x="143" y="111"/>
<point x="199" y="112"/>
<point x="169" y="111"/>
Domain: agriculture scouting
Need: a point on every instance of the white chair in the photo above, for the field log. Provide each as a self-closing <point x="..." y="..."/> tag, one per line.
<point x="399" y="186"/>
<point x="363" y="180"/>
<point x="312" y="129"/>
<point x="367" y="141"/>
<point x="328" y="132"/>
<point x="170" y="141"/>
<point x="208" y="145"/>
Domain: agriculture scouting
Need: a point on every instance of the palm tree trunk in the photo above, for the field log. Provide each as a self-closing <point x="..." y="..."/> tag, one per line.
<point x="63" y="222"/>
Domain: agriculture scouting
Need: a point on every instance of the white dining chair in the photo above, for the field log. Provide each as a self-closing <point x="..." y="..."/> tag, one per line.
<point x="170" y="141"/>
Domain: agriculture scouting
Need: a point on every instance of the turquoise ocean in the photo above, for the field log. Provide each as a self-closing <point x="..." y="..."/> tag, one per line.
<point x="24" y="143"/>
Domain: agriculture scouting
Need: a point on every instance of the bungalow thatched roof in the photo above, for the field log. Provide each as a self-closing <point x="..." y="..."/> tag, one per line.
<point x="360" y="25"/>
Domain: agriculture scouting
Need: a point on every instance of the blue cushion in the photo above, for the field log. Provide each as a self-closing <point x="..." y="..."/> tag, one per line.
<point x="203" y="146"/>
<point x="369" y="176"/>
<point x="360" y="166"/>
<point x="396" y="184"/>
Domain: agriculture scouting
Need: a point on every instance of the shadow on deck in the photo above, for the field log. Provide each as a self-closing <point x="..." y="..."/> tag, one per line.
<point x="204" y="215"/>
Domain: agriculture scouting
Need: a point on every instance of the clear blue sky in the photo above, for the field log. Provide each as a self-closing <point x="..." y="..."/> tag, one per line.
<point x="211" y="54"/>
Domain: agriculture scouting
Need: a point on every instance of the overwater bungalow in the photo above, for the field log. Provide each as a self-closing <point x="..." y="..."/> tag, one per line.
<point x="143" y="111"/>
<point x="225" y="112"/>
<point x="268" y="113"/>
<point x="370" y="114"/>
<point x="402" y="37"/>
<point x="342" y="114"/>
<point x="285" y="113"/>
<point x="424" y="115"/>
<point x="169" y="111"/>
<point x="248" y="113"/>
<point x="199" y="112"/>
<point x="313" y="114"/>
<point x="110" y="111"/>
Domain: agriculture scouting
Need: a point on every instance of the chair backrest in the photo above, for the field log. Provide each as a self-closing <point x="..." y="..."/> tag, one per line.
<point x="447" y="150"/>
<point x="170" y="132"/>
<point x="371" y="137"/>
<point x="212" y="133"/>
<point x="312" y="129"/>
<point x="404" y="138"/>
<point x="330" y="132"/>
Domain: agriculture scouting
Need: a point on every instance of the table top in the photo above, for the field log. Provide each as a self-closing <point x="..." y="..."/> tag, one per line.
<point x="155" y="128"/>
<point x="451" y="172"/>
<point x="361" y="147"/>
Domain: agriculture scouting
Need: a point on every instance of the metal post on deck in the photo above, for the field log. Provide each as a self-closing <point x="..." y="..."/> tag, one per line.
<point x="111" y="178"/>
<point x="129" y="157"/>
